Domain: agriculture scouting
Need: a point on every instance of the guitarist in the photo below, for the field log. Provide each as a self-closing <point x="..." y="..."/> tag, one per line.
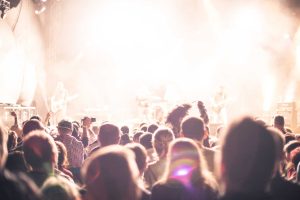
<point x="219" y="106"/>
<point x="58" y="103"/>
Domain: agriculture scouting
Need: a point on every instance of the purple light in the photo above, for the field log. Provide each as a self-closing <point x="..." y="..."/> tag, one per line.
<point x="182" y="172"/>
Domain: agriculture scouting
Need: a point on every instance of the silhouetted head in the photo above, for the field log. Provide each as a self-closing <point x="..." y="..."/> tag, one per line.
<point x="248" y="157"/>
<point x="40" y="151"/>
<point x="161" y="140"/>
<point x="140" y="156"/>
<point x="109" y="134"/>
<point x="32" y="125"/>
<point x="193" y="128"/>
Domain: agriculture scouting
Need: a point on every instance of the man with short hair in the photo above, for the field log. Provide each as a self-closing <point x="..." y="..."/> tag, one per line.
<point x="279" y="123"/>
<point x="75" y="148"/>
<point x="194" y="128"/>
<point x="109" y="134"/>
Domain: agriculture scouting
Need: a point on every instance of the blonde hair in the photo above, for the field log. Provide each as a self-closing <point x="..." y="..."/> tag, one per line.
<point x="111" y="173"/>
<point x="186" y="152"/>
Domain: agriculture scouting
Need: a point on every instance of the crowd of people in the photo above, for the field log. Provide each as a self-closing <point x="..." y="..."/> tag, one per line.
<point x="177" y="160"/>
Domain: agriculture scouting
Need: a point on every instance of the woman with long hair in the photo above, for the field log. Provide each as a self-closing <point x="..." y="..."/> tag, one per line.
<point x="111" y="173"/>
<point x="161" y="140"/>
<point x="186" y="176"/>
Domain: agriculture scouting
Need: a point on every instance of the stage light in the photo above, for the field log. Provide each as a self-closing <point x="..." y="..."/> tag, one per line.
<point x="40" y="6"/>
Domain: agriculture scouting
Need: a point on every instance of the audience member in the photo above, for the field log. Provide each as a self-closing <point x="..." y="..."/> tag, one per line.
<point x="62" y="160"/>
<point x="40" y="153"/>
<point x="176" y="116"/>
<point x="279" y="123"/>
<point x="32" y="125"/>
<point x="14" y="186"/>
<point x="124" y="139"/>
<point x="247" y="161"/>
<point x="57" y="188"/>
<point x="152" y="128"/>
<point x="146" y="141"/>
<point x="109" y="134"/>
<point x="75" y="148"/>
<point x="125" y="130"/>
<point x="111" y="174"/>
<point x="136" y="136"/>
<point x="186" y="175"/>
<point x="12" y="141"/>
<point x="161" y="139"/>
<point x="280" y="187"/>
<point x="289" y="137"/>
<point x="16" y="162"/>
<point x="194" y="128"/>
<point x="141" y="161"/>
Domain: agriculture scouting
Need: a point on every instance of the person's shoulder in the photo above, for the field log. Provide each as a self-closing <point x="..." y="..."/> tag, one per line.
<point x="285" y="189"/>
<point x="241" y="196"/>
<point x="17" y="186"/>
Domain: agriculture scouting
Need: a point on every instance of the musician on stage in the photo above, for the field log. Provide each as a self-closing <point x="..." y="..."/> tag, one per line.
<point x="58" y="103"/>
<point x="219" y="112"/>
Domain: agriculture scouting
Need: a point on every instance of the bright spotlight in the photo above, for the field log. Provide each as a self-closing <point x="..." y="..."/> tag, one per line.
<point x="249" y="20"/>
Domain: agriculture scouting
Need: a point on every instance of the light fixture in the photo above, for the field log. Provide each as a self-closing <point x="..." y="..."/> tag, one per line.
<point x="40" y="6"/>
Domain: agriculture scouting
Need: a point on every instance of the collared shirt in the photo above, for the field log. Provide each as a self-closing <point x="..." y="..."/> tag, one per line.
<point x="75" y="150"/>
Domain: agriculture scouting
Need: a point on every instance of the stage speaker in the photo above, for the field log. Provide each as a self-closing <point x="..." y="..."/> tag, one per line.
<point x="289" y="112"/>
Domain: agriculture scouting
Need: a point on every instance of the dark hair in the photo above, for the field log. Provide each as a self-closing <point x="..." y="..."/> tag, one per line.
<point x="12" y="140"/>
<point x="193" y="128"/>
<point x="289" y="137"/>
<point x="144" y="128"/>
<point x="62" y="159"/>
<point x="248" y="154"/>
<point x="137" y="135"/>
<point x="57" y="187"/>
<point x="296" y="158"/>
<point x="36" y="117"/>
<point x="175" y="117"/>
<point x="291" y="146"/>
<point x="152" y="128"/>
<point x="146" y="140"/>
<point x="125" y="129"/>
<point x="279" y="120"/>
<point x="32" y="125"/>
<point x="108" y="134"/>
<point x="124" y="139"/>
<point x="16" y="162"/>
<point x="140" y="155"/>
<point x="161" y="140"/>
<point x="39" y="150"/>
